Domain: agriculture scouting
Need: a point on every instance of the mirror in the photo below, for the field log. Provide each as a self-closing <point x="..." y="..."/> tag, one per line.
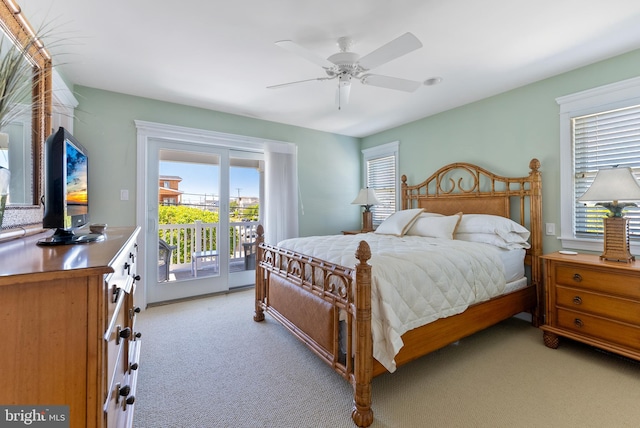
<point x="28" y="129"/>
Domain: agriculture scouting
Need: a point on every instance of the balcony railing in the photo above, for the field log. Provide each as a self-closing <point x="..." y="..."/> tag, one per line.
<point x="198" y="237"/>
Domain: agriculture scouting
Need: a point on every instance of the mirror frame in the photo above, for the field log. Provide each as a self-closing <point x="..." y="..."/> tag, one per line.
<point x="20" y="220"/>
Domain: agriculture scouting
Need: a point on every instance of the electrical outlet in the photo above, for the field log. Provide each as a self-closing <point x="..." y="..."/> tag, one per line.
<point x="124" y="194"/>
<point x="550" y="229"/>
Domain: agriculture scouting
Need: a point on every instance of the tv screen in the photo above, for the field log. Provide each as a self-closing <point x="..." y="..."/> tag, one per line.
<point x="66" y="190"/>
<point x="77" y="185"/>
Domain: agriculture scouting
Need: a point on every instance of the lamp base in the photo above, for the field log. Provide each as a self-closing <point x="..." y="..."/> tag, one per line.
<point x="367" y="221"/>
<point x="616" y="240"/>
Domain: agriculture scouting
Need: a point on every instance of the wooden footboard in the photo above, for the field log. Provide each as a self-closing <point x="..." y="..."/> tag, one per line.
<point x="310" y="297"/>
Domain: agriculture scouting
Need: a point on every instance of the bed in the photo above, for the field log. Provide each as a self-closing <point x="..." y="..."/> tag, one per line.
<point x="331" y="305"/>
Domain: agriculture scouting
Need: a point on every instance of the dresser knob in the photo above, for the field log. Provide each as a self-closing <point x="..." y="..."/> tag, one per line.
<point x="133" y="366"/>
<point x="123" y="333"/>
<point x="138" y="335"/>
<point x="577" y="300"/>
<point x="131" y="399"/>
<point x="578" y="322"/>
<point x="136" y="278"/>
<point x="577" y="277"/>
<point x="124" y="390"/>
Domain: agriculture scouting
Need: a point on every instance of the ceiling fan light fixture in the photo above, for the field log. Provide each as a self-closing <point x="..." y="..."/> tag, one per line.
<point x="433" y="81"/>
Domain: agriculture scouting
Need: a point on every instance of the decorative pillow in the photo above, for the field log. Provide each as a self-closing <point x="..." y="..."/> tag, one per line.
<point x="493" y="239"/>
<point x="435" y="226"/>
<point x="399" y="222"/>
<point x="486" y="223"/>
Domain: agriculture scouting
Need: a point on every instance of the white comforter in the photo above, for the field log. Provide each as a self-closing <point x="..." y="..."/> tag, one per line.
<point x="415" y="280"/>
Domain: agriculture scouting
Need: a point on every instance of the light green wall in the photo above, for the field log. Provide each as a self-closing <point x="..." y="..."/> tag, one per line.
<point x="503" y="133"/>
<point x="329" y="177"/>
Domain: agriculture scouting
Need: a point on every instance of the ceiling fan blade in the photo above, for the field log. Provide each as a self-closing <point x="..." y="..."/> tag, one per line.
<point x="392" y="50"/>
<point x="282" y="85"/>
<point x="390" y="82"/>
<point x="295" y="48"/>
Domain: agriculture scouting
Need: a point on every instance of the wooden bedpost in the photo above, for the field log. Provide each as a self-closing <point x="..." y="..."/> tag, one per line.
<point x="536" y="236"/>
<point x="361" y="413"/>
<point x="406" y="202"/>
<point x="260" y="280"/>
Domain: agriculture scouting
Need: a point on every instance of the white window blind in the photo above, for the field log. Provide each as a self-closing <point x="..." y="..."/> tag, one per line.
<point x="381" y="176"/>
<point x="604" y="140"/>
<point x="380" y="173"/>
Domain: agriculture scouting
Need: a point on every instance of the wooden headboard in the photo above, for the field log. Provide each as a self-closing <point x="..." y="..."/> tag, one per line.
<point x="470" y="189"/>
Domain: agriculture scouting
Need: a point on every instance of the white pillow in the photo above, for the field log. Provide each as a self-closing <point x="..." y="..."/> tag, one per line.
<point x="493" y="239"/>
<point x="435" y="226"/>
<point x="399" y="222"/>
<point x="486" y="223"/>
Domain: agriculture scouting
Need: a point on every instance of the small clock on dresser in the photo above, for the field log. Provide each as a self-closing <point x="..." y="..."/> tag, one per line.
<point x="592" y="301"/>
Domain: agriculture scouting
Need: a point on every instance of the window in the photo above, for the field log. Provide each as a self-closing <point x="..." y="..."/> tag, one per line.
<point x="381" y="165"/>
<point x="600" y="128"/>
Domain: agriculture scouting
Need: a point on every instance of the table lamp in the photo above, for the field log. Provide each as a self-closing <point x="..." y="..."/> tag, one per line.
<point x="614" y="189"/>
<point x="367" y="198"/>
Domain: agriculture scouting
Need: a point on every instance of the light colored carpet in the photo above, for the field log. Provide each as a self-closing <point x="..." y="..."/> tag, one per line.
<point x="206" y="363"/>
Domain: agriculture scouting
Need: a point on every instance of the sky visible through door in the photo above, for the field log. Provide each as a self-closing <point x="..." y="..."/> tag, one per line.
<point x="198" y="180"/>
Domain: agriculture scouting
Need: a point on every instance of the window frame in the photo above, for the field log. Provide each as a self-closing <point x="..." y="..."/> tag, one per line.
<point x="382" y="151"/>
<point x="603" y="98"/>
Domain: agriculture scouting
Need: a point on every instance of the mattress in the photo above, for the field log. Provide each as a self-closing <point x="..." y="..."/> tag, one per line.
<point x="416" y="280"/>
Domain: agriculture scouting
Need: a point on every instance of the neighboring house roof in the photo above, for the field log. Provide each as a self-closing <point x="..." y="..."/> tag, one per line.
<point x="169" y="178"/>
<point x="166" y="190"/>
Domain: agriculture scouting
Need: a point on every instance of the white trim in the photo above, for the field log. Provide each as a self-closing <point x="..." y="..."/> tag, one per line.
<point x="602" y="98"/>
<point x="222" y="139"/>
<point x="381" y="150"/>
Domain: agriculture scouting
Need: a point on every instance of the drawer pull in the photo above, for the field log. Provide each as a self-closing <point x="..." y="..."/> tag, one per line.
<point x="133" y="366"/>
<point x="138" y="335"/>
<point x="123" y="391"/>
<point x="130" y="399"/>
<point x="115" y="292"/>
<point x="578" y="322"/>
<point x="127" y="267"/>
<point x="577" y="277"/>
<point x="577" y="300"/>
<point x="123" y="333"/>
<point x="133" y="312"/>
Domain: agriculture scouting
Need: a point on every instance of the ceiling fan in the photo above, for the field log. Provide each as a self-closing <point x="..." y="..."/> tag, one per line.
<point x="346" y="65"/>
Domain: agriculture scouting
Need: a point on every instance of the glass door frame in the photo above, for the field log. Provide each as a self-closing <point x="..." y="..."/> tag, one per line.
<point x="145" y="131"/>
<point x="158" y="291"/>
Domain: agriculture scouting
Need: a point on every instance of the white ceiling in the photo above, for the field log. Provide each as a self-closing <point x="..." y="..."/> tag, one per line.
<point x="220" y="55"/>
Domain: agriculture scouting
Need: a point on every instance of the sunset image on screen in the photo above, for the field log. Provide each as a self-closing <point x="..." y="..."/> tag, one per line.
<point x="77" y="201"/>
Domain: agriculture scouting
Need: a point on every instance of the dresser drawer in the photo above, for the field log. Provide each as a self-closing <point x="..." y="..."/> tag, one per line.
<point x="607" y="281"/>
<point x="617" y="308"/>
<point x="578" y="322"/>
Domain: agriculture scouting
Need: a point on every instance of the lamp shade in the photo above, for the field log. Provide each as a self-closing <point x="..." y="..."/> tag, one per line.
<point x="613" y="184"/>
<point x="366" y="197"/>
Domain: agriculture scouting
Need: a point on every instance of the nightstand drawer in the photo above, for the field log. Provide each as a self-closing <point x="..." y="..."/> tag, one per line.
<point x="620" y="309"/>
<point x="596" y="327"/>
<point x="609" y="282"/>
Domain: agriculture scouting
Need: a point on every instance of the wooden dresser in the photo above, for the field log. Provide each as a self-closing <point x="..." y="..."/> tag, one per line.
<point x="592" y="301"/>
<point x="67" y="327"/>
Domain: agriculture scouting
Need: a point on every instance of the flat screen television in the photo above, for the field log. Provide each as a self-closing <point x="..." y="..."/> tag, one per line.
<point x="66" y="190"/>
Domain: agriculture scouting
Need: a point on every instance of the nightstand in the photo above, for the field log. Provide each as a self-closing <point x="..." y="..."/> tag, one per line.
<point x="592" y="301"/>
